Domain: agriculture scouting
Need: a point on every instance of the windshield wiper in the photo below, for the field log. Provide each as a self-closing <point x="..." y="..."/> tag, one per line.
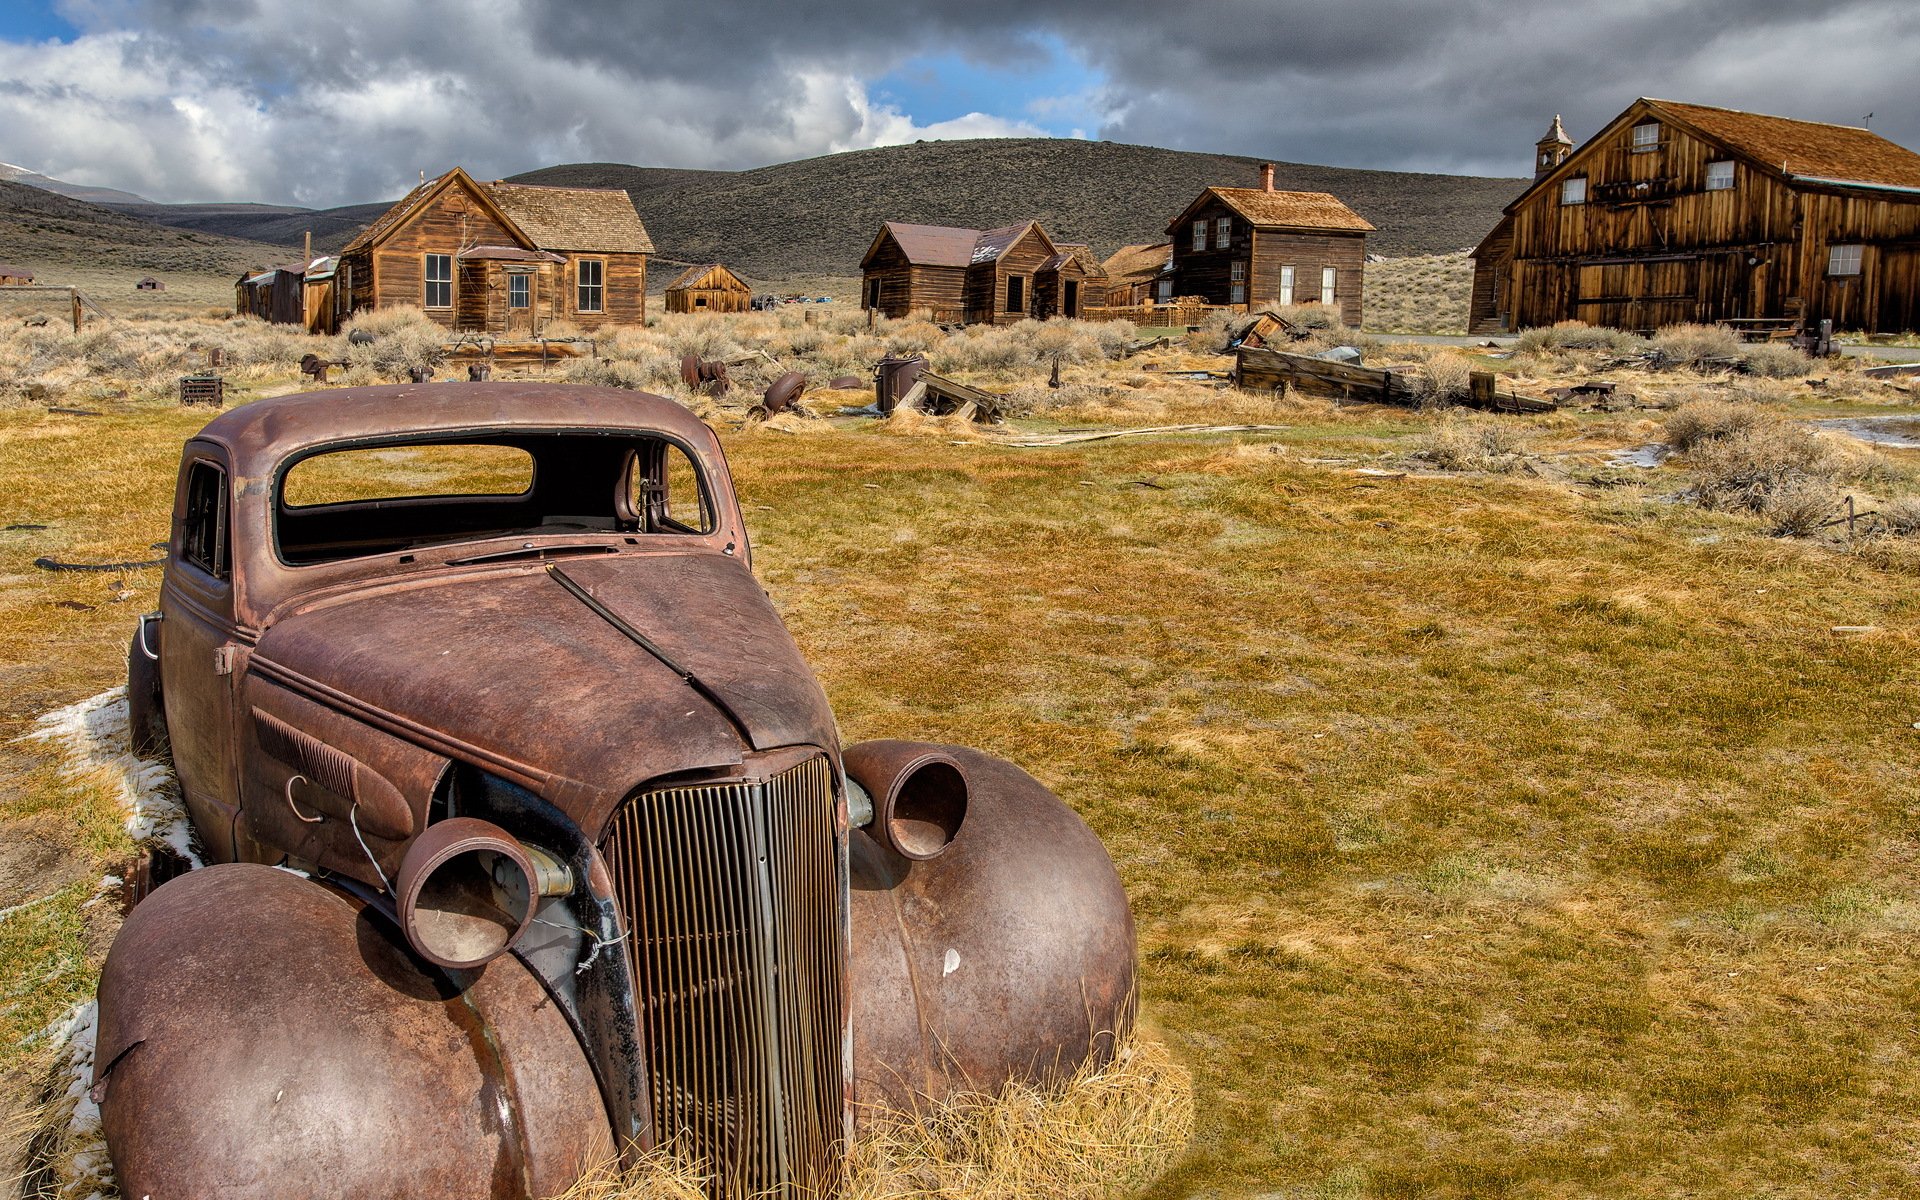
<point x="533" y="551"/>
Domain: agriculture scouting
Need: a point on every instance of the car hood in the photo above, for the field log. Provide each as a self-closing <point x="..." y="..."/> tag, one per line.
<point x="584" y="676"/>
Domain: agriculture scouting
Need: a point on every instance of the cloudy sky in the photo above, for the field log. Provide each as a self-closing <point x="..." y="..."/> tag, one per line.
<point x="343" y="101"/>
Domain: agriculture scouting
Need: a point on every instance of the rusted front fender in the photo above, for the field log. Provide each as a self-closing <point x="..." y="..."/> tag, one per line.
<point x="264" y="1035"/>
<point x="1009" y="957"/>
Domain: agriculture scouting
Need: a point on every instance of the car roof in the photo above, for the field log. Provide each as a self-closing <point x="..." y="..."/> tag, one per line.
<point x="267" y="431"/>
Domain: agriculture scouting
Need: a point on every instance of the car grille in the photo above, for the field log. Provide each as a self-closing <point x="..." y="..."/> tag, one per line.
<point x="732" y="894"/>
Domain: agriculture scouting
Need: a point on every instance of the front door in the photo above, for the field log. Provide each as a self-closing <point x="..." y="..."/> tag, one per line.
<point x="1070" y="305"/>
<point x="198" y="651"/>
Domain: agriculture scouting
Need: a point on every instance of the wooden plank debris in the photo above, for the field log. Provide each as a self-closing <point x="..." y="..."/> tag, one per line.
<point x="1068" y="439"/>
<point x="1265" y="370"/>
<point x="938" y="396"/>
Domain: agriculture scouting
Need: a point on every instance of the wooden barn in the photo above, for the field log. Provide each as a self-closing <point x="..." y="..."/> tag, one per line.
<point x="1137" y="274"/>
<point x="15" y="276"/>
<point x="1683" y="213"/>
<point x="1256" y="247"/>
<point x="708" y="289"/>
<point x="502" y="258"/>
<point x="973" y="276"/>
<point x="149" y="283"/>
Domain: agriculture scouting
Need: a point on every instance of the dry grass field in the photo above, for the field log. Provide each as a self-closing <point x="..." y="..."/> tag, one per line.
<point x="1499" y="821"/>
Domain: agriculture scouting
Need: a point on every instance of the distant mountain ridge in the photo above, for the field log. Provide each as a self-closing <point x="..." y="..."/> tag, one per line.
<point x="816" y="216"/>
<point x="56" y="235"/>
<point x="11" y="173"/>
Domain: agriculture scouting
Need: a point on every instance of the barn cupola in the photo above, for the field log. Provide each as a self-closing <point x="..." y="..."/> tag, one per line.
<point x="1551" y="150"/>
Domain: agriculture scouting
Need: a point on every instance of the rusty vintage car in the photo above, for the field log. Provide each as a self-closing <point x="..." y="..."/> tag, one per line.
<point x="534" y="841"/>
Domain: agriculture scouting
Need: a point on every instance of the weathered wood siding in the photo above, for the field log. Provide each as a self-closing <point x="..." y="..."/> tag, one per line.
<point x="1309" y="254"/>
<point x="905" y="288"/>
<point x="624" y="299"/>
<point x="1209" y="273"/>
<point x="1653" y="246"/>
<point x="451" y="221"/>
<point x="715" y="291"/>
<point x="986" y="291"/>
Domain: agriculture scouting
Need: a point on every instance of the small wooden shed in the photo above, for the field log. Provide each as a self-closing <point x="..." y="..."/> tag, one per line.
<point x="711" y="288"/>
<point x="149" y="284"/>
<point x="14" y="276"/>
<point x="276" y="295"/>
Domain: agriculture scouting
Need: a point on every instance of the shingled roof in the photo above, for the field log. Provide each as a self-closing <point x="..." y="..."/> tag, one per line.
<point x="952" y="245"/>
<point x="564" y="218"/>
<point x="7" y="272"/>
<point x="1806" y="150"/>
<point x="1138" y="263"/>
<point x="594" y="220"/>
<point x="1284" y="210"/>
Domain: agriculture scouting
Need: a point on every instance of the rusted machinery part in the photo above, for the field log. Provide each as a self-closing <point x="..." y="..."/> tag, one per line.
<point x="465" y="893"/>
<point x="146" y="718"/>
<point x="919" y="795"/>
<point x="894" y="378"/>
<point x="263" y="1034"/>
<point x="1010" y="957"/>
<point x="697" y="372"/>
<point x="845" y="383"/>
<point x="690" y="370"/>
<point x="784" y="393"/>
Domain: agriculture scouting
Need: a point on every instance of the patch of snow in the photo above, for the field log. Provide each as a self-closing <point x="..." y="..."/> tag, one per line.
<point x="92" y="1173"/>
<point x="1650" y="455"/>
<point x="94" y="735"/>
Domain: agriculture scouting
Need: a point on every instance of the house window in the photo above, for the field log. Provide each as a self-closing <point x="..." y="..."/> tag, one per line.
<point x="1843" y="260"/>
<point x="1574" y="190"/>
<point x="1328" y="277"/>
<point x="1286" y="285"/>
<point x="592" y="286"/>
<point x="1166" y="289"/>
<point x="517" y="292"/>
<point x="1222" y="232"/>
<point x="1200" y="234"/>
<point x="439" y="281"/>
<point x="1239" y="271"/>
<point x="203" y="530"/>
<point x="1237" y="294"/>
<point x="1720" y="176"/>
<point x="1016" y="293"/>
<point x="1646" y="138"/>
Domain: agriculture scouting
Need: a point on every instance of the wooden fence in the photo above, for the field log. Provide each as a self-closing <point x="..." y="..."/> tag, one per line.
<point x="1173" y="314"/>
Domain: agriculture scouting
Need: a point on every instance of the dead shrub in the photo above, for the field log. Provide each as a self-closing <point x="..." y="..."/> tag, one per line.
<point x="1744" y="470"/>
<point x="1773" y="360"/>
<point x="1800" y="506"/>
<point x="1578" y="335"/>
<point x="404" y="340"/>
<point x="1468" y="444"/>
<point x="1699" y="421"/>
<point x="1901" y="517"/>
<point x="1700" y="347"/>
<point x="1445" y="379"/>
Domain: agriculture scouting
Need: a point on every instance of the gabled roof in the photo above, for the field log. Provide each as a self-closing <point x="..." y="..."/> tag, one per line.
<point x="7" y="272"/>
<point x="1139" y="263"/>
<point x="1282" y="210"/>
<point x="694" y="274"/>
<point x="1078" y="254"/>
<point x="601" y="220"/>
<point x="595" y="220"/>
<point x="1804" y="150"/>
<point x="931" y="245"/>
<point x="952" y="245"/>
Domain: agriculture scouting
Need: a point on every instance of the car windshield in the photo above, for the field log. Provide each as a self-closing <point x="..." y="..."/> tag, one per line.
<point x="393" y="497"/>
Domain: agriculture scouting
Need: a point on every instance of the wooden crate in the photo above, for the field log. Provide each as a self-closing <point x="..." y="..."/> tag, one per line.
<point x="203" y="389"/>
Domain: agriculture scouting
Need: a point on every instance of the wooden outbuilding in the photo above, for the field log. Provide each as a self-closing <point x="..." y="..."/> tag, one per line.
<point x="15" y="276"/>
<point x="708" y="289"/>
<point x="973" y="276"/>
<point x="1679" y="213"/>
<point x="1137" y="274"/>
<point x="1255" y="247"/>
<point x="273" y="294"/>
<point x="502" y="258"/>
<point x="148" y="283"/>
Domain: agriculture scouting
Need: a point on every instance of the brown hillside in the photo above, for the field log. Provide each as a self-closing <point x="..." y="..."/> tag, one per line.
<point x="817" y="216"/>
<point x="62" y="239"/>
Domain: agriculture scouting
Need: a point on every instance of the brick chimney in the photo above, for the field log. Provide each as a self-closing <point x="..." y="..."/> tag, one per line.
<point x="1266" y="177"/>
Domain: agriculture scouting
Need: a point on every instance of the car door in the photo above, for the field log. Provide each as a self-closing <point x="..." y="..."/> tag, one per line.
<point x="197" y="652"/>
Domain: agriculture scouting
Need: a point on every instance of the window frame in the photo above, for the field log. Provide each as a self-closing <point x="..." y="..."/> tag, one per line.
<point x="598" y="287"/>
<point x="521" y="283"/>
<point x="1163" y="289"/>
<point x="1567" y="184"/>
<point x="1223" y="233"/>
<point x="428" y="282"/>
<point x="1329" y="285"/>
<point x="1286" y="283"/>
<point x="1200" y="233"/>
<point x="1727" y="175"/>
<point x="1837" y="255"/>
<point x="1645" y="145"/>
<point x="218" y="564"/>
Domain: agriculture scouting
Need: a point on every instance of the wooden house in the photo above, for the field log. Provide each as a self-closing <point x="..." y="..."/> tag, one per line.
<point x="15" y="276"/>
<point x="1255" y="247"/>
<point x="1679" y="213"/>
<point x="148" y="283"/>
<point x="1137" y="274"/>
<point x="503" y="258"/>
<point x="708" y="289"/>
<point x="325" y="305"/>
<point x="973" y="276"/>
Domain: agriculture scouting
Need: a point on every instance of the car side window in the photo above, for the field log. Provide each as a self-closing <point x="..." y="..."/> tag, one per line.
<point x="668" y="492"/>
<point x="203" y="535"/>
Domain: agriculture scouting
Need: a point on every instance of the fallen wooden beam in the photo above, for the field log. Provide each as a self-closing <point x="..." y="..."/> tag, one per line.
<point x="1266" y="370"/>
<point x="1068" y="439"/>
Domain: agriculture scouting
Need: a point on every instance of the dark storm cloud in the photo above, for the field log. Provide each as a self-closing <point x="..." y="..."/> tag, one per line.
<point x="228" y="98"/>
